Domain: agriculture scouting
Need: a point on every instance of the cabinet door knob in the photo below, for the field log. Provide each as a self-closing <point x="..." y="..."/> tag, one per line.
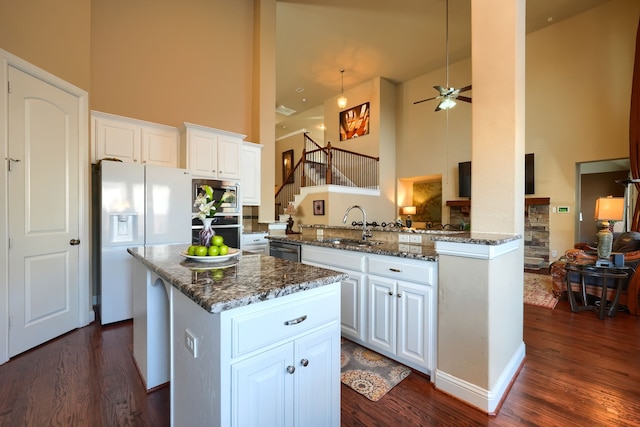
<point x="399" y="295"/>
<point x="291" y="369"/>
<point x="304" y="362"/>
<point x="390" y="293"/>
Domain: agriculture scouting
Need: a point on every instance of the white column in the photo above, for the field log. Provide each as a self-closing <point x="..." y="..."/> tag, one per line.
<point x="480" y="309"/>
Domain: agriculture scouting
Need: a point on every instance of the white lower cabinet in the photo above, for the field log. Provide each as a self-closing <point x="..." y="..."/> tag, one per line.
<point x="290" y="385"/>
<point x="388" y="303"/>
<point x="400" y="320"/>
<point x="272" y="363"/>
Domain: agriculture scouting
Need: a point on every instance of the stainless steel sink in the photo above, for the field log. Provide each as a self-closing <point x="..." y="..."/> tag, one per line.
<point x="351" y="242"/>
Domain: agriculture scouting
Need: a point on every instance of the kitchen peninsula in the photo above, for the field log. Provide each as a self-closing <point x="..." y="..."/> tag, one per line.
<point x="252" y="341"/>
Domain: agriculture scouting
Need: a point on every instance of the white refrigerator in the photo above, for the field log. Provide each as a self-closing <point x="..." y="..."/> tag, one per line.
<point x="139" y="205"/>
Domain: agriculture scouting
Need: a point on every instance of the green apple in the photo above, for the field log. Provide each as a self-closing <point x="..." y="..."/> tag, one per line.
<point x="214" y="250"/>
<point x="224" y="250"/>
<point x="191" y="250"/>
<point x="217" y="240"/>
<point x="200" y="251"/>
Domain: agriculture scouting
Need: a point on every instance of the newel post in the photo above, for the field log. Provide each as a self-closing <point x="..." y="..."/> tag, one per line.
<point x="303" y="161"/>
<point x="328" y="173"/>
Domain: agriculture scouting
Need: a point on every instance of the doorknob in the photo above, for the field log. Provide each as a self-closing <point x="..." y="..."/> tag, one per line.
<point x="74" y="242"/>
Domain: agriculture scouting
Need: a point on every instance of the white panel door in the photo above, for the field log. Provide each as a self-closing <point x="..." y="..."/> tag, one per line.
<point x="262" y="389"/>
<point x="382" y="314"/>
<point x="203" y="154"/>
<point x="317" y="378"/>
<point x="352" y="305"/>
<point x="43" y="212"/>
<point x="117" y="139"/>
<point x="413" y="322"/>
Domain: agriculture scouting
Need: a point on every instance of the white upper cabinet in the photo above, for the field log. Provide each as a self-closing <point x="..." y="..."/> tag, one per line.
<point x="250" y="170"/>
<point x="133" y="141"/>
<point x="211" y="153"/>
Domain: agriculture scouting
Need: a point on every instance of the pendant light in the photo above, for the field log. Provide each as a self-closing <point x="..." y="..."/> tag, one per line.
<point x="342" y="101"/>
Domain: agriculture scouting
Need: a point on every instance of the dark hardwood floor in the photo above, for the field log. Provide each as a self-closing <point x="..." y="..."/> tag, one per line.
<point x="579" y="371"/>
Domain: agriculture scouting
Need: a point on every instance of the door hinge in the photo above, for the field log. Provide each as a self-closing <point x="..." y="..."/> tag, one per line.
<point x="10" y="321"/>
<point x="9" y="242"/>
<point x="8" y="87"/>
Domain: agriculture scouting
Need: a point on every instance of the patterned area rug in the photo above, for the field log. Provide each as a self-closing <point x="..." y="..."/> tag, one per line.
<point x="538" y="290"/>
<point x="367" y="372"/>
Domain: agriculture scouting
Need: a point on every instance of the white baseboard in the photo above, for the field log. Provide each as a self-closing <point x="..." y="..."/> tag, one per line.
<point x="485" y="400"/>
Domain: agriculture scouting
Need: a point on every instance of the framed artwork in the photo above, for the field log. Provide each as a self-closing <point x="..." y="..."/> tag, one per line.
<point x="318" y="207"/>
<point x="287" y="167"/>
<point x="354" y="122"/>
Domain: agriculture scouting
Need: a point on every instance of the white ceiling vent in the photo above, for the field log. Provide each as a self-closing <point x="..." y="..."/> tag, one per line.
<point x="285" y="110"/>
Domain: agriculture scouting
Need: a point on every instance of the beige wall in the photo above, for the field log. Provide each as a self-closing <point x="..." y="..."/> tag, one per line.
<point x="52" y="35"/>
<point x="170" y="62"/>
<point x="578" y="80"/>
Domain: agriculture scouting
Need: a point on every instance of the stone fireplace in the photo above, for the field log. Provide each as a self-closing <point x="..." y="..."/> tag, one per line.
<point x="536" y="227"/>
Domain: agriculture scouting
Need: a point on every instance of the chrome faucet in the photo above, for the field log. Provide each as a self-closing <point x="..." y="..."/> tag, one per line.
<point x="365" y="233"/>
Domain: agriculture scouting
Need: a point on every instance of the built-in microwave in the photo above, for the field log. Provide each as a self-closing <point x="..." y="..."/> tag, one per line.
<point x="231" y="204"/>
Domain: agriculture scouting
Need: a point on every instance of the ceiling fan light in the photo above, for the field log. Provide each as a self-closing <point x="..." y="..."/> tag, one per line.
<point x="446" y="104"/>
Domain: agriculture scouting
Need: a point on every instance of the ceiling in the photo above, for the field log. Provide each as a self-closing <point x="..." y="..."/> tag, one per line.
<point x="398" y="40"/>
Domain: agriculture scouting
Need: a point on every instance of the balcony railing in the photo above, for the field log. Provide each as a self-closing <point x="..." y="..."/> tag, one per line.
<point x="327" y="166"/>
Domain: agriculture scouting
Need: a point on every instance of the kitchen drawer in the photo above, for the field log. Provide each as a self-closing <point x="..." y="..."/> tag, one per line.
<point x="333" y="257"/>
<point x="402" y="269"/>
<point x="254" y="239"/>
<point x="253" y="331"/>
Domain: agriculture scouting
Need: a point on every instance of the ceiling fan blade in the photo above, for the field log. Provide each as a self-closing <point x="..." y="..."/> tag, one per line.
<point x="464" y="98"/>
<point x="443" y="90"/>
<point x="428" y="99"/>
<point x="464" y="89"/>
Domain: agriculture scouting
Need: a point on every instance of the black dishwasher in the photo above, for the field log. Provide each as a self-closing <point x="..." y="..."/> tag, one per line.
<point x="284" y="250"/>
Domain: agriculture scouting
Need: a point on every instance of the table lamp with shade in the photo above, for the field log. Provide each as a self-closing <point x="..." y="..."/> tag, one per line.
<point x="607" y="209"/>
<point x="290" y="210"/>
<point x="408" y="211"/>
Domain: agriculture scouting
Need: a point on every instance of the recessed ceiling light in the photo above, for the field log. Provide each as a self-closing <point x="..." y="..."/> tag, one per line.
<point x="550" y="19"/>
<point x="300" y="89"/>
<point x="304" y="100"/>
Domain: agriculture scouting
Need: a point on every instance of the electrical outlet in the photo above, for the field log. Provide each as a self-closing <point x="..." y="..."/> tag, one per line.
<point x="191" y="343"/>
<point x="415" y="249"/>
<point x="554" y="253"/>
<point x="319" y="232"/>
<point x="415" y="238"/>
<point x="404" y="248"/>
<point x="404" y="238"/>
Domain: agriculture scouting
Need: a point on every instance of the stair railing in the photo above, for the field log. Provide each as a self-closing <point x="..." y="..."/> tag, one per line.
<point x="327" y="166"/>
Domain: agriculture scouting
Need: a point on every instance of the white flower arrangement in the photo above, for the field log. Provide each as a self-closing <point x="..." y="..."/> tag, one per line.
<point x="207" y="206"/>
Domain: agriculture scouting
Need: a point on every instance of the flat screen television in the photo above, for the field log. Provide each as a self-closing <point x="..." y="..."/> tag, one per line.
<point x="464" y="177"/>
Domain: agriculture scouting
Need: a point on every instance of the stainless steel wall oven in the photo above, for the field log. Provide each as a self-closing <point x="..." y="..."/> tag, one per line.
<point x="228" y="221"/>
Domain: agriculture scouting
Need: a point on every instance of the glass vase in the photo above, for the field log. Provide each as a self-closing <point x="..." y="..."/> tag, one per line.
<point x="207" y="232"/>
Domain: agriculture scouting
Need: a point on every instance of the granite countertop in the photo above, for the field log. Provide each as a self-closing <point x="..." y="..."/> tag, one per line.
<point x="425" y="252"/>
<point x="402" y="250"/>
<point x="249" y="279"/>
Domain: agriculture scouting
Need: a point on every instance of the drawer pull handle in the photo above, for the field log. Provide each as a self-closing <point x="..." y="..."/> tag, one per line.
<point x="395" y="270"/>
<point x="291" y="369"/>
<point x="296" y="321"/>
<point x="304" y="362"/>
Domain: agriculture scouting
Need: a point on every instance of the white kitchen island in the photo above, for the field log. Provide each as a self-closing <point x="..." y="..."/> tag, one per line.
<point x="252" y="342"/>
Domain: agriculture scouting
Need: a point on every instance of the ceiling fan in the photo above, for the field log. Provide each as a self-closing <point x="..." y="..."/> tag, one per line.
<point x="448" y="94"/>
